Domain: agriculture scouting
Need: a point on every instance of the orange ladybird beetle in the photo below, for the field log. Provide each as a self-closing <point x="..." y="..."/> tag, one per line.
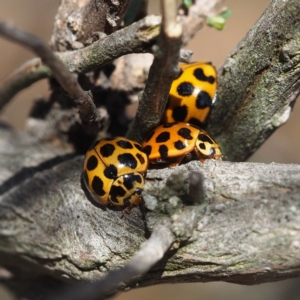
<point x="171" y="143"/>
<point x="114" y="171"/>
<point x="192" y="94"/>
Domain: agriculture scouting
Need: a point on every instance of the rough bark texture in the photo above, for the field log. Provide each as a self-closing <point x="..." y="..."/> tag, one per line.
<point x="243" y="217"/>
<point x="258" y="82"/>
<point x="78" y="21"/>
<point x="246" y="225"/>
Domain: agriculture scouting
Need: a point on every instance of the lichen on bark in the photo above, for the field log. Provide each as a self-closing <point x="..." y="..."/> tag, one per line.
<point x="258" y="82"/>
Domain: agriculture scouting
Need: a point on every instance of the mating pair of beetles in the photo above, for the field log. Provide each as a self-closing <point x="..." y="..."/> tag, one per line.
<point x="115" y="168"/>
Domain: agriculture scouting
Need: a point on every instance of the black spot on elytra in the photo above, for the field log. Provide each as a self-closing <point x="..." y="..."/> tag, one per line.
<point x="97" y="186"/>
<point x="195" y="122"/>
<point x="130" y="179"/>
<point x="163" y="151"/>
<point x="202" y="146"/>
<point x="138" y="178"/>
<point x="185" y="133"/>
<point x="92" y="163"/>
<point x="111" y="172"/>
<point x="163" y="137"/>
<point x="124" y="144"/>
<point x="180" y="113"/>
<point x="147" y="150"/>
<point x="179" y="145"/>
<point x="199" y="74"/>
<point x="204" y="138"/>
<point x="107" y="150"/>
<point x="116" y="191"/>
<point x="185" y="89"/>
<point x="128" y="183"/>
<point x="140" y="158"/>
<point x="138" y="146"/>
<point x="127" y="159"/>
<point x="149" y="136"/>
<point x="168" y="125"/>
<point x="203" y="100"/>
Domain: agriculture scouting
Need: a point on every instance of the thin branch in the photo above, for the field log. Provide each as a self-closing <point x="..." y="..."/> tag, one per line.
<point x="162" y="72"/>
<point x="30" y="72"/>
<point x="84" y="100"/>
<point x="195" y="19"/>
<point x="61" y="73"/>
<point x="135" y="38"/>
<point x="150" y="253"/>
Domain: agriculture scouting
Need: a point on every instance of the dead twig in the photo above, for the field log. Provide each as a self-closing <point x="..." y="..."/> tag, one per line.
<point x="30" y="72"/>
<point x="83" y="99"/>
<point x="162" y="72"/>
<point x="135" y="38"/>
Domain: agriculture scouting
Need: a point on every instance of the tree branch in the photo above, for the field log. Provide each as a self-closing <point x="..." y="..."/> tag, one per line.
<point x="77" y="22"/>
<point x="136" y="38"/>
<point x="153" y="99"/>
<point x="30" y="72"/>
<point x="151" y="252"/>
<point x="240" y="232"/>
<point x="132" y="39"/>
<point x="84" y="100"/>
<point x="236" y="222"/>
<point x="258" y="83"/>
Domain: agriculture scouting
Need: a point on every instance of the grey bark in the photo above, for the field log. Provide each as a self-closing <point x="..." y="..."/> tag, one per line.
<point x="259" y="82"/>
<point x="244" y="217"/>
<point x="77" y="22"/>
<point x="246" y="222"/>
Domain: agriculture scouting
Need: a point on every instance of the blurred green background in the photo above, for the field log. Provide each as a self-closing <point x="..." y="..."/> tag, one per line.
<point x="283" y="146"/>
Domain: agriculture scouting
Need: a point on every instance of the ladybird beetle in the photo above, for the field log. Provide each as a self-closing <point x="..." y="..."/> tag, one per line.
<point x="170" y="143"/>
<point x="192" y="94"/>
<point x="114" y="171"/>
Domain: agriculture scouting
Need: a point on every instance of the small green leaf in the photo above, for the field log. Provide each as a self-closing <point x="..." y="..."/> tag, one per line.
<point x="226" y="14"/>
<point x="216" y="22"/>
<point x="187" y="3"/>
<point x="219" y="21"/>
